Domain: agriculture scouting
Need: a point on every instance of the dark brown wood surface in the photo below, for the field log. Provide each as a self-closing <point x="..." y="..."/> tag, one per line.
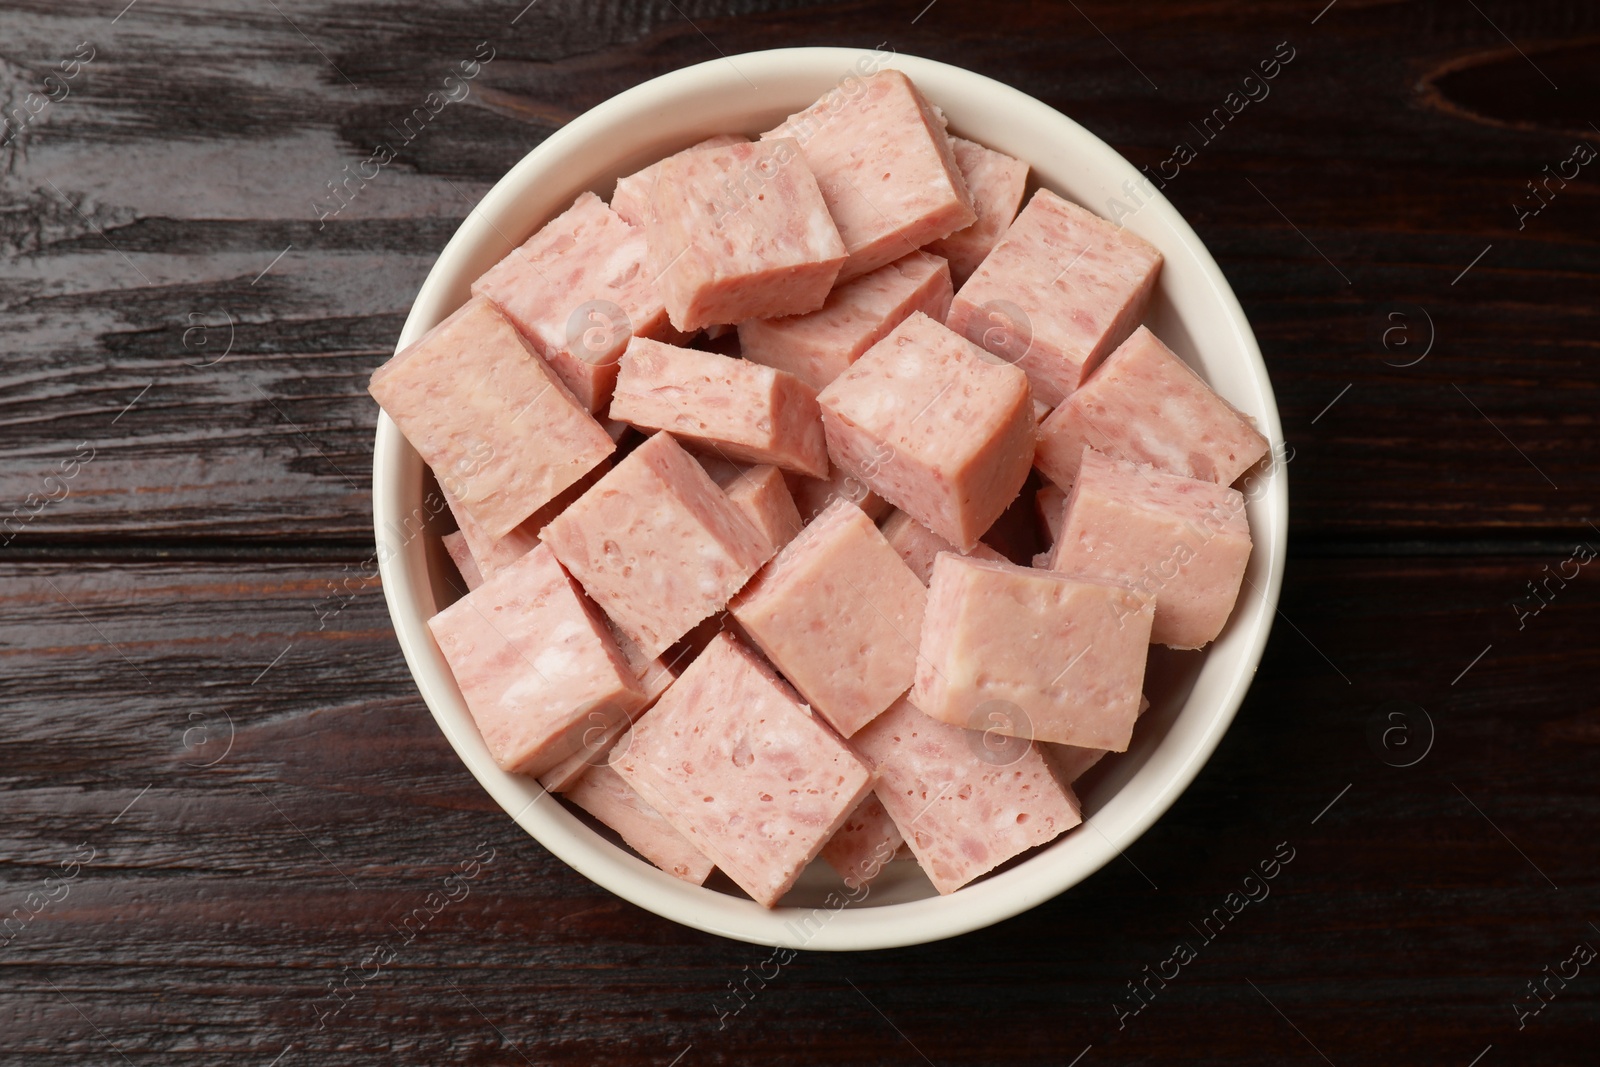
<point x="220" y="787"/>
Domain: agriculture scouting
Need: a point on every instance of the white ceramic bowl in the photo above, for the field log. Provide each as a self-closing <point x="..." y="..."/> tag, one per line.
<point x="1194" y="695"/>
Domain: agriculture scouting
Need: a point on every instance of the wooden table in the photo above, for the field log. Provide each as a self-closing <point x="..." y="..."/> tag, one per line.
<point x="185" y="442"/>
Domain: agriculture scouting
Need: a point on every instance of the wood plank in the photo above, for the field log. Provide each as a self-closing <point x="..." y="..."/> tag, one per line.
<point x="147" y="210"/>
<point x="221" y="900"/>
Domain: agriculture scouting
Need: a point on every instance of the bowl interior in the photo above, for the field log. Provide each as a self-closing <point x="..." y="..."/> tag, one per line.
<point x="1194" y="695"/>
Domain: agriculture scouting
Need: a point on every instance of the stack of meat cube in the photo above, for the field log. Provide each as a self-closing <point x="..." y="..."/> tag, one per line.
<point x="724" y="452"/>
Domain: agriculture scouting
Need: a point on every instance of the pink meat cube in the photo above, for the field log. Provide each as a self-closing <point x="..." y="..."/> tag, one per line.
<point x="817" y="347"/>
<point x="813" y="495"/>
<point x="736" y="409"/>
<point x="917" y="545"/>
<point x="578" y="289"/>
<point x="455" y="543"/>
<point x="1061" y="290"/>
<point x="1144" y="405"/>
<point x="1050" y="502"/>
<point x="865" y="845"/>
<point x="631" y="200"/>
<point x="1183" y="541"/>
<point x="963" y="807"/>
<point x="603" y="793"/>
<point x="1061" y="659"/>
<point x="502" y="434"/>
<point x="762" y="497"/>
<point x="740" y="232"/>
<point x="534" y="663"/>
<point x="839" y="614"/>
<point x="933" y="427"/>
<point x="731" y="759"/>
<point x="996" y="183"/>
<point x="657" y="544"/>
<point x="886" y="168"/>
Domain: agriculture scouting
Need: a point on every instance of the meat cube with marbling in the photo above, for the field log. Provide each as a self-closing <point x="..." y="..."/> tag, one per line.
<point x="606" y="795"/>
<point x="918" y="546"/>
<point x="864" y="846"/>
<point x="631" y="198"/>
<point x="535" y="664"/>
<point x="657" y="544"/>
<point x="963" y="807"/>
<point x="503" y="435"/>
<point x="996" y="183"/>
<point x="1145" y="405"/>
<point x="885" y="166"/>
<point x="839" y="614"/>
<point x="1057" y="294"/>
<point x="1033" y="654"/>
<point x="934" y="427"/>
<point x="740" y="232"/>
<point x="1183" y="541"/>
<point x="732" y="760"/>
<point x="735" y="409"/>
<point x="762" y="496"/>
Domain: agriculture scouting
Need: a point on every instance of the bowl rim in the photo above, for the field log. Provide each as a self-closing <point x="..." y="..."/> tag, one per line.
<point x="980" y="904"/>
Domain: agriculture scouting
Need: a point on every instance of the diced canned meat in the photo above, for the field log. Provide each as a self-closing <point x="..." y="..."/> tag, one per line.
<point x="996" y="183"/>
<point x="603" y="793"/>
<point x="1145" y="405"/>
<point x="733" y="408"/>
<point x="963" y="807"/>
<point x="1183" y="541"/>
<point x="455" y="543"/>
<point x="502" y="434"/>
<point x="813" y="495"/>
<point x="917" y="545"/>
<point x="492" y="553"/>
<point x="631" y="199"/>
<point x="1050" y="502"/>
<point x="762" y="497"/>
<point x="740" y="232"/>
<point x="657" y="544"/>
<point x="885" y="166"/>
<point x="839" y="614"/>
<point x="892" y="420"/>
<point x="1058" y="293"/>
<point x="1031" y="653"/>
<point x="865" y="845"/>
<point x="534" y="663"/>
<point x="733" y="762"/>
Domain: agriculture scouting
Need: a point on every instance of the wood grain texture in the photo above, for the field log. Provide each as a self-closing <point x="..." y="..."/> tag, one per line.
<point x="204" y="716"/>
